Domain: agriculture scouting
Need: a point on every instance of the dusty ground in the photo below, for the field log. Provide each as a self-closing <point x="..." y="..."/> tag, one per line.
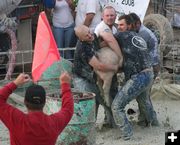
<point x="168" y="112"/>
<point x="166" y="102"/>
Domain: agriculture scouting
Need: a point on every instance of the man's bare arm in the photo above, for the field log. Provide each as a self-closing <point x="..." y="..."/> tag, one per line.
<point x="113" y="44"/>
<point x="88" y="19"/>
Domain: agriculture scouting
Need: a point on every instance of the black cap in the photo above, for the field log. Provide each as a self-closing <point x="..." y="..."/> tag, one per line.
<point x="35" y="94"/>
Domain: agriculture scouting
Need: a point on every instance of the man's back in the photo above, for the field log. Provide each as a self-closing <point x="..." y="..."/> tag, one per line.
<point x="148" y="36"/>
<point x="35" y="127"/>
<point x="152" y="44"/>
<point x="134" y="49"/>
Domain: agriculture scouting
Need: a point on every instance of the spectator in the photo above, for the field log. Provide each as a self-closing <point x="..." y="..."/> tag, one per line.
<point x="104" y="31"/>
<point x="63" y="26"/>
<point x="89" y="13"/>
<point x="35" y="127"/>
<point x="85" y="62"/>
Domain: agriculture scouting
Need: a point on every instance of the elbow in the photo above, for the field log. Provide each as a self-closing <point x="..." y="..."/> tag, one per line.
<point x="90" y="16"/>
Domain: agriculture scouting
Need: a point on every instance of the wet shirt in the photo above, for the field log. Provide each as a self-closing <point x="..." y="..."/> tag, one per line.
<point x="83" y="54"/>
<point x="135" y="53"/>
<point x="152" y="44"/>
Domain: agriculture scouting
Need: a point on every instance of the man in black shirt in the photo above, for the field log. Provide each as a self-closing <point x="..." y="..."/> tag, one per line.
<point x="139" y="78"/>
<point x="85" y="62"/>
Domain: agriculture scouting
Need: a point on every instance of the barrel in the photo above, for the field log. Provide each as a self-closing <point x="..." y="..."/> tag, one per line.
<point x="50" y="77"/>
<point x="81" y="128"/>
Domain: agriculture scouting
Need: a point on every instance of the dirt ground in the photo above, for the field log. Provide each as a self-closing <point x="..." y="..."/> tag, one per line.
<point x="168" y="113"/>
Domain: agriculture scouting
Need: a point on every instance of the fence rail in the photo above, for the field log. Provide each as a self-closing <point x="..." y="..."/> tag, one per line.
<point x="170" y="64"/>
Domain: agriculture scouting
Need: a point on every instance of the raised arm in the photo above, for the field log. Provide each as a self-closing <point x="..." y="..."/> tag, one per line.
<point x="88" y="19"/>
<point x="8" y="113"/>
<point x="67" y="108"/>
<point x="9" y="88"/>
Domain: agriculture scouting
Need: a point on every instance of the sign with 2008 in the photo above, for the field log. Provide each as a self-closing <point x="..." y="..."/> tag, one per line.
<point x="126" y="6"/>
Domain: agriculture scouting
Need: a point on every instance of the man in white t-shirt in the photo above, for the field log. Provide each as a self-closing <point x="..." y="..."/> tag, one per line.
<point x="106" y="28"/>
<point x="88" y="12"/>
<point x="104" y="31"/>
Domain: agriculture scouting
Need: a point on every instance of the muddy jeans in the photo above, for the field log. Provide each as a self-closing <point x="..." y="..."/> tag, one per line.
<point x="137" y="87"/>
<point x="82" y="84"/>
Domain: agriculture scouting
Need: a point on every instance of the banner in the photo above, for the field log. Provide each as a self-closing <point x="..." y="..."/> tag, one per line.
<point x="127" y="6"/>
<point x="45" y="50"/>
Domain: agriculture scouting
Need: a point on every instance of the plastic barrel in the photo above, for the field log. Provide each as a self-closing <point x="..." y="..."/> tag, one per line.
<point x="50" y="78"/>
<point x="81" y="128"/>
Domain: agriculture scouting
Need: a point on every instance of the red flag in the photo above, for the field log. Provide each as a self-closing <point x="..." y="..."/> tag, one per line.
<point x="45" y="50"/>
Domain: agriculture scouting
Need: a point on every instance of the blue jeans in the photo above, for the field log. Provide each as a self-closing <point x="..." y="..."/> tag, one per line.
<point x="137" y="87"/>
<point x="65" y="37"/>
